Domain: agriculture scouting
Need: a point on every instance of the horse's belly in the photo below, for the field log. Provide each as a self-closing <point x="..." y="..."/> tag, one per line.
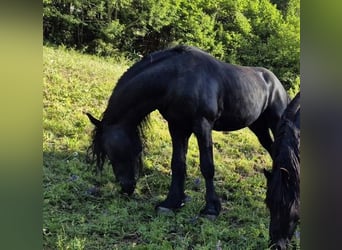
<point x="230" y="123"/>
<point x="222" y="126"/>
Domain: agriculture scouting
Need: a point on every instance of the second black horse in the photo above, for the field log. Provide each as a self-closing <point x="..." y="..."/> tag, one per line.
<point x="283" y="182"/>
<point x="195" y="93"/>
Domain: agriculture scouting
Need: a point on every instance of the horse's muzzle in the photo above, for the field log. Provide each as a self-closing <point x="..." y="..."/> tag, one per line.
<point x="279" y="245"/>
<point x="127" y="187"/>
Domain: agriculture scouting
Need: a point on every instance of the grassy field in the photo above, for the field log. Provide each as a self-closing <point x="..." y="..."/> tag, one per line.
<point x="75" y="218"/>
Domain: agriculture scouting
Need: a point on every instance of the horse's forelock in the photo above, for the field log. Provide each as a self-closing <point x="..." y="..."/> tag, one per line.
<point x="275" y="192"/>
<point x="95" y="152"/>
<point x="283" y="189"/>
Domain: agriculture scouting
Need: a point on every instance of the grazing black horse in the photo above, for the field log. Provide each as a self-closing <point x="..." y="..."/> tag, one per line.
<point x="195" y="93"/>
<point x="282" y="196"/>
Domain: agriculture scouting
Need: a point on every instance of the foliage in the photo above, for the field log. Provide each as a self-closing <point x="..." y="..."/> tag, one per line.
<point x="77" y="217"/>
<point x="248" y="32"/>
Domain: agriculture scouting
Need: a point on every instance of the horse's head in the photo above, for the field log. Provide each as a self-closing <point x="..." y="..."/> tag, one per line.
<point x="283" y="204"/>
<point x="122" y="146"/>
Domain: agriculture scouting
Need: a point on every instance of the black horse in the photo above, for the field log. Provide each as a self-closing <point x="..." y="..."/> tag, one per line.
<point x="282" y="196"/>
<point x="195" y="93"/>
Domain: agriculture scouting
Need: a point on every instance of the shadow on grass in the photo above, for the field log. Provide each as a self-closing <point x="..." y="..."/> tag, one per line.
<point x="77" y="203"/>
<point x="74" y="167"/>
<point x="154" y="181"/>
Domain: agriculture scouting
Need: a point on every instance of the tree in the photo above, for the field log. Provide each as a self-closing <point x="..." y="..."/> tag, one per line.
<point x="247" y="32"/>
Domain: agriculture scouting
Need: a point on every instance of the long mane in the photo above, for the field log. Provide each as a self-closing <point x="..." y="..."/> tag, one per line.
<point x="285" y="185"/>
<point x="148" y="60"/>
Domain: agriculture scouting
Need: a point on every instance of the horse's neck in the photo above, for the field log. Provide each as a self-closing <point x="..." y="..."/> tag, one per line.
<point x="131" y="105"/>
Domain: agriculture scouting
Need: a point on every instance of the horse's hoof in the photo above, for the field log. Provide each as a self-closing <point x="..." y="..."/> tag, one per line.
<point x="211" y="217"/>
<point x="186" y="199"/>
<point x="94" y="191"/>
<point x="165" y="211"/>
<point x="210" y="214"/>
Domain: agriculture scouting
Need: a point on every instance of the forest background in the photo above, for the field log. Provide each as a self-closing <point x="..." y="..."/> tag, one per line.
<point x="246" y="32"/>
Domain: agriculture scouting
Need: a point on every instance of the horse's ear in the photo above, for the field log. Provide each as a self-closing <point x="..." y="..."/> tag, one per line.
<point x="93" y="120"/>
<point x="267" y="174"/>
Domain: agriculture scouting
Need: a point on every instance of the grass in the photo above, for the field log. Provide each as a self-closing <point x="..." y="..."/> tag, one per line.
<point x="75" y="218"/>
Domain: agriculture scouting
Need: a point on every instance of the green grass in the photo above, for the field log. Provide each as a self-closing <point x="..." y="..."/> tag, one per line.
<point x="76" y="219"/>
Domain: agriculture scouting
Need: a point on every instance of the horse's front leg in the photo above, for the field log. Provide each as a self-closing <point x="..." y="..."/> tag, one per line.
<point x="176" y="196"/>
<point x="203" y="133"/>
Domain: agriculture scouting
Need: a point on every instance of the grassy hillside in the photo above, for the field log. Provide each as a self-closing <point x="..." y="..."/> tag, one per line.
<point x="76" y="219"/>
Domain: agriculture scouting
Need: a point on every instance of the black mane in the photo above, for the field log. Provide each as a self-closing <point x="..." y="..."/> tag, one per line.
<point x="284" y="189"/>
<point x="148" y="60"/>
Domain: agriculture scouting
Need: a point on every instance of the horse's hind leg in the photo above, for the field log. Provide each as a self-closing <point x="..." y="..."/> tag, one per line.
<point x="261" y="129"/>
<point x="176" y="196"/>
<point x="202" y="131"/>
